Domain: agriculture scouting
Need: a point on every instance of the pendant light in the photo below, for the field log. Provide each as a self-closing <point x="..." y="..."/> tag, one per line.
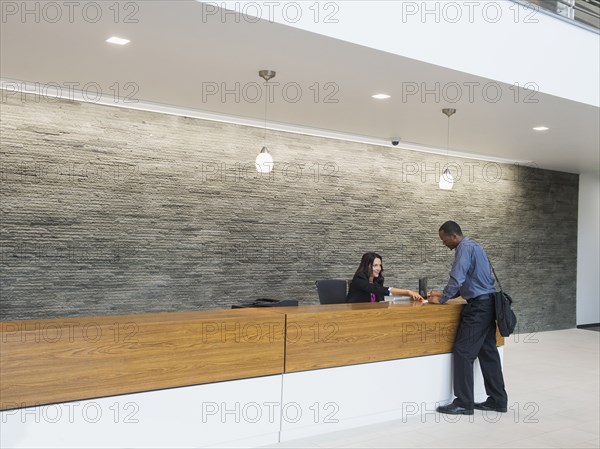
<point x="264" y="160"/>
<point x="447" y="180"/>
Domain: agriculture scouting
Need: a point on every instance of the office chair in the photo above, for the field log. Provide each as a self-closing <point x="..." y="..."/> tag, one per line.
<point x="332" y="291"/>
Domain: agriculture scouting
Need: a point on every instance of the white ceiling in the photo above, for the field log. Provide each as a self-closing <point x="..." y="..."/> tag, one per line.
<point x="175" y="55"/>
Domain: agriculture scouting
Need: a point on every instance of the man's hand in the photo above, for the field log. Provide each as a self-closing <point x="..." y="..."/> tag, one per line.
<point x="434" y="297"/>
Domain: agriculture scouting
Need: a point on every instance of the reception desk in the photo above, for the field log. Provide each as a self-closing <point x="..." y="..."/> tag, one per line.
<point x="238" y="377"/>
<point x="66" y="359"/>
<point x="327" y="336"/>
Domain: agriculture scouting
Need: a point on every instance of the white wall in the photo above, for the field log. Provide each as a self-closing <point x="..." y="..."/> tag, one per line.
<point x="500" y="40"/>
<point x="588" y="249"/>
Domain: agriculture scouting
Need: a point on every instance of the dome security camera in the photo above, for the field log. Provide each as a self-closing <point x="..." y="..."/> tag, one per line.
<point x="395" y="141"/>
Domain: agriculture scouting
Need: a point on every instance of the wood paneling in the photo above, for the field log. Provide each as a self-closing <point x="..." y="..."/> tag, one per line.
<point x="345" y="334"/>
<point x="59" y="360"/>
<point x="47" y="361"/>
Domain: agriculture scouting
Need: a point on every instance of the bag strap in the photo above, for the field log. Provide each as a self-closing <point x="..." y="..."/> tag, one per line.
<point x="495" y="275"/>
<point x="499" y="284"/>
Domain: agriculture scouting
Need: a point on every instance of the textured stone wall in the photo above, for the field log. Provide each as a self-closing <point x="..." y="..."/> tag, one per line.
<point x="114" y="211"/>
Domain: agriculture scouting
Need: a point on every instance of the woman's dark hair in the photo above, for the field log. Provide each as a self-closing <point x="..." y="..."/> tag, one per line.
<point x="366" y="265"/>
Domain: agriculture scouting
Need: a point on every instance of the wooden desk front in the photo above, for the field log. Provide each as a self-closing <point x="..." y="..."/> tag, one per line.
<point x="327" y="336"/>
<point x="58" y="360"/>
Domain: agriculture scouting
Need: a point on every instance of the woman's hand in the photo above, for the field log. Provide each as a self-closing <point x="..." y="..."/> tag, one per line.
<point x="414" y="295"/>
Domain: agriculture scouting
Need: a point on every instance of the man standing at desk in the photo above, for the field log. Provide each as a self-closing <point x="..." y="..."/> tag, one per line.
<point x="472" y="279"/>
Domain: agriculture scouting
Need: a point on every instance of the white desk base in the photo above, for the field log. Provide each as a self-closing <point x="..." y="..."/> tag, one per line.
<point x="243" y="413"/>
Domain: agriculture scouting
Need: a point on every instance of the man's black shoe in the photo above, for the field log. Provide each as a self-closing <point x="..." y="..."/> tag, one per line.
<point x="453" y="409"/>
<point x="489" y="407"/>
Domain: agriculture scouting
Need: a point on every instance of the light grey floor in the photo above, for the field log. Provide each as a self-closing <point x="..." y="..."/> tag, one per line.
<point x="552" y="379"/>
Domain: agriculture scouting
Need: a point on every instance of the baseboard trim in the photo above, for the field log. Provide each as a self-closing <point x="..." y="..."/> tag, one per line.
<point x="583" y="326"/>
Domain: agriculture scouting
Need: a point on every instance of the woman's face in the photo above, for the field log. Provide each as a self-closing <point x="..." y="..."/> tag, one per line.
<point x="376" y="268"/>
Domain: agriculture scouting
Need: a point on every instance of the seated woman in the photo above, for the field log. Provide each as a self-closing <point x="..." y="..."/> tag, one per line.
<point x="367" y="284"/>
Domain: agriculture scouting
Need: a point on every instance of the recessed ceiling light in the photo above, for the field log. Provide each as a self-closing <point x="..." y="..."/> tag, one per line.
<point x="380" y="96"/>
<point x="541" y="128"/>
<point x="117" y="40"/>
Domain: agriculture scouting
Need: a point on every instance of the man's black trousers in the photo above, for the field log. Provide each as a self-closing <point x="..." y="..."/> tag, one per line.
<point x="476" y="338"/>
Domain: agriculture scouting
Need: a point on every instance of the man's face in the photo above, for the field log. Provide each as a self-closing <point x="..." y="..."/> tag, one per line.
<point x="450" y="240"/>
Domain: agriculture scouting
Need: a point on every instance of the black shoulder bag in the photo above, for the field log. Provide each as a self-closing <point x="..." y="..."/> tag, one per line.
<point x="505" y="317"/>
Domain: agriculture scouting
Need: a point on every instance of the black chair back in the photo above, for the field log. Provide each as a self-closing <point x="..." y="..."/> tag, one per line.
<point x="332" y="291"/>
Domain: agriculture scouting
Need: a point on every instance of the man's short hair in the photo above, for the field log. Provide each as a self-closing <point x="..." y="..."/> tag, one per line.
<point x="451" y="227"/>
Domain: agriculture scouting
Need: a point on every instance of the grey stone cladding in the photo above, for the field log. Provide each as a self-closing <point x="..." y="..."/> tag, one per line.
<point x="108" y="210"/>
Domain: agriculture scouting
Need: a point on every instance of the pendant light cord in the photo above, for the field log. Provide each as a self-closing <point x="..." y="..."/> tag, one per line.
<point x="448" y="143"/>
<point x="266" y="95"/>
